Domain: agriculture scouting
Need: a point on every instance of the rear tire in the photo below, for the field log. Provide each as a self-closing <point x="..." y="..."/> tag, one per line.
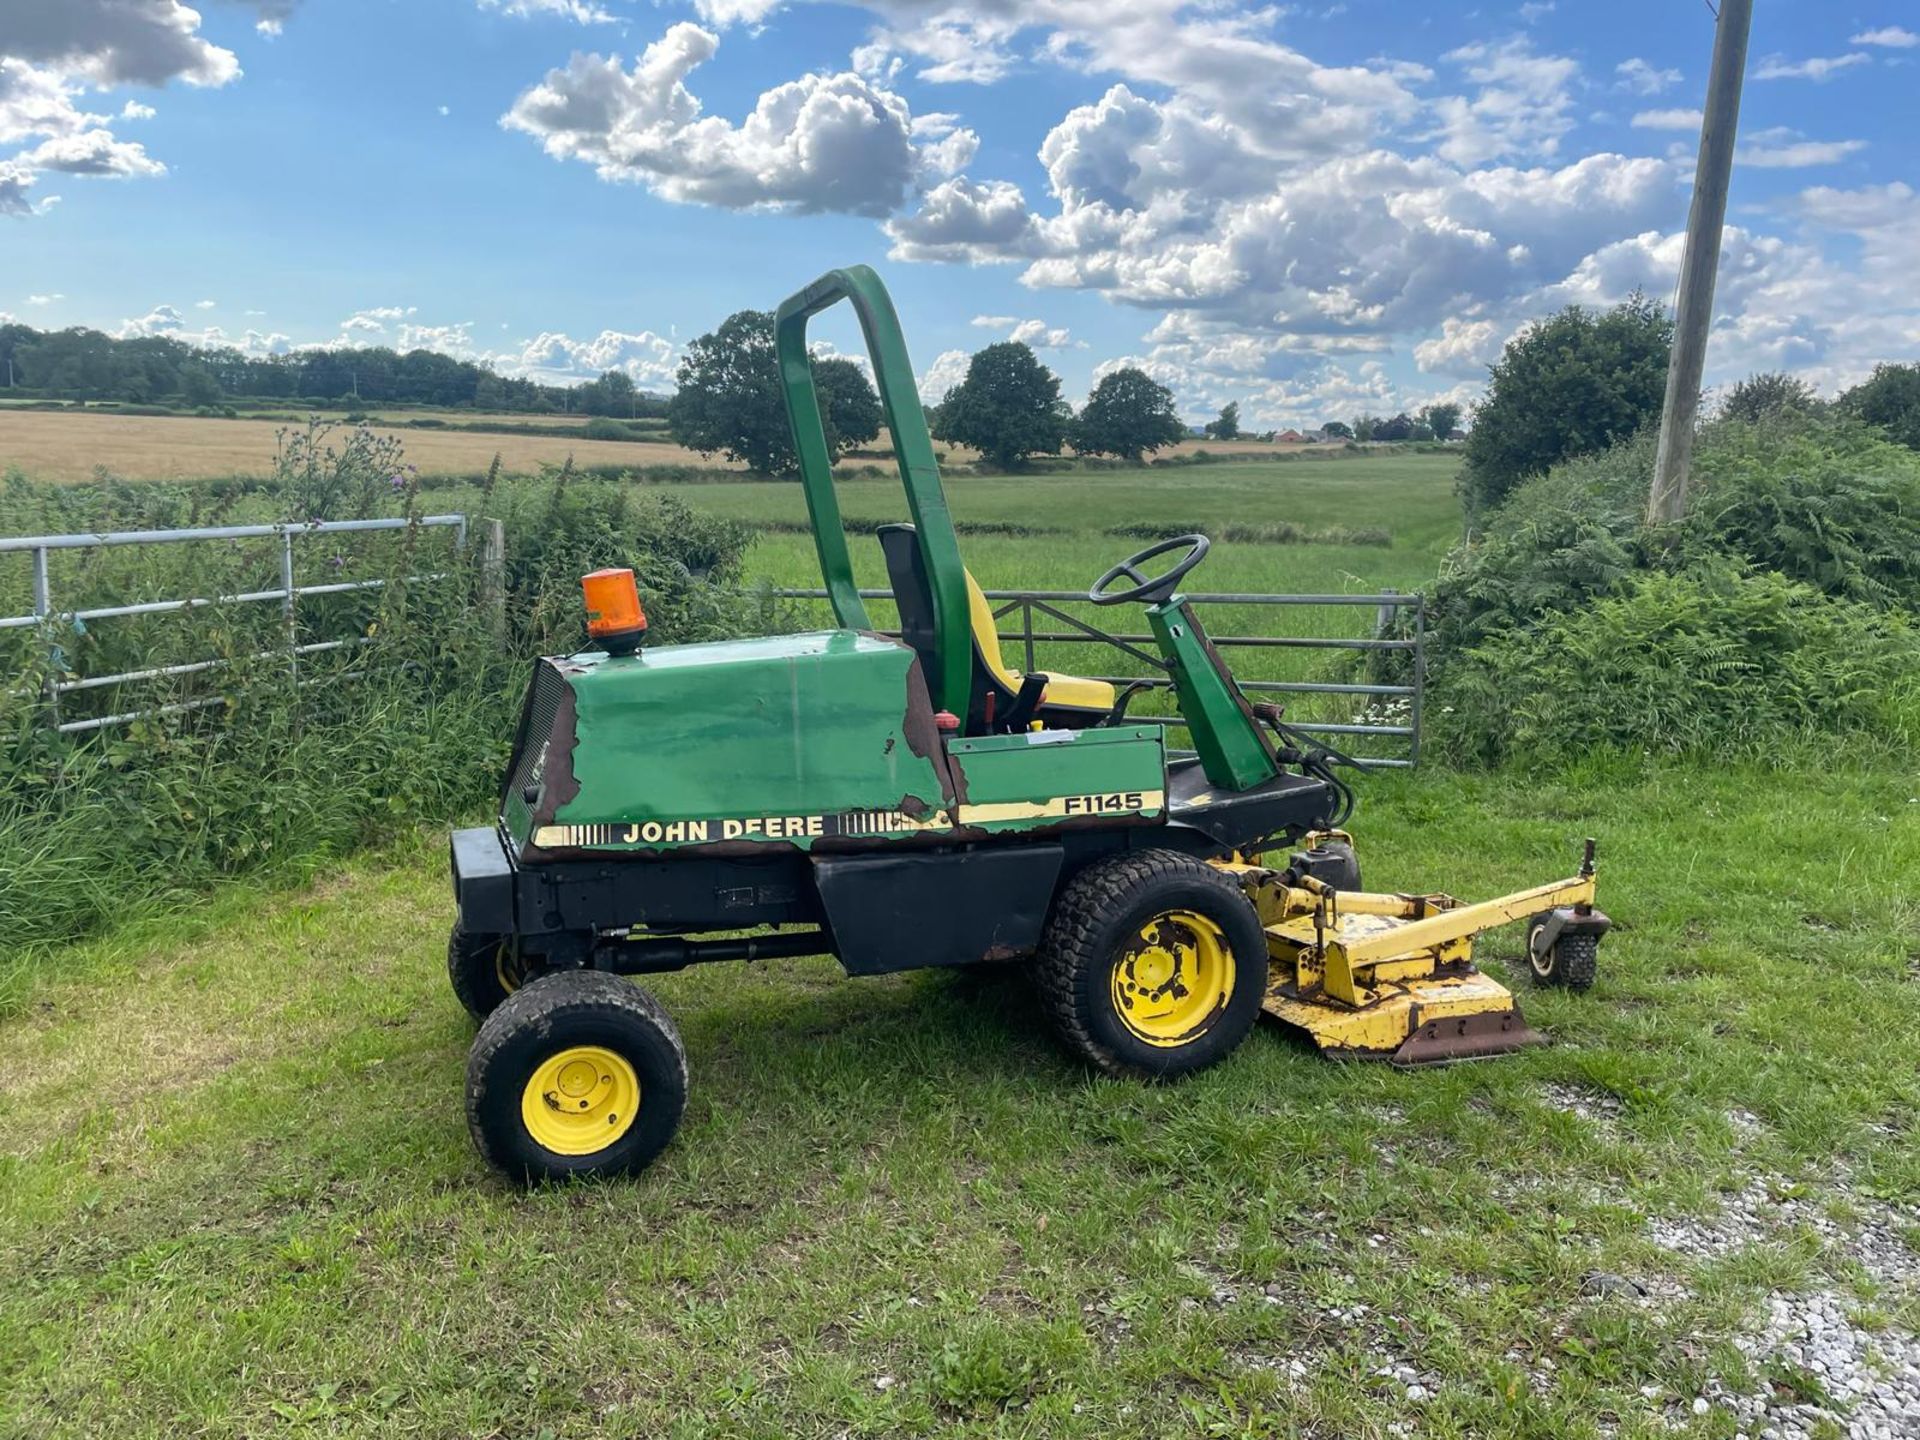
<point x="483" y="970"/>
<point x="579" y="1074"/>
<point x="1153" y="965"/>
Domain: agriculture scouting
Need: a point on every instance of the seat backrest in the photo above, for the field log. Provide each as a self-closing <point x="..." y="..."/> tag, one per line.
<point x="914" y="596"/>
<point x="911" y="593"/>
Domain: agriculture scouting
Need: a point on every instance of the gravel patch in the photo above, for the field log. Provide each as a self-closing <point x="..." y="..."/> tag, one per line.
<point x="1822" y="1370"/>
<point x="1817" y="1370"/>
<point x="1596" y="1105"/>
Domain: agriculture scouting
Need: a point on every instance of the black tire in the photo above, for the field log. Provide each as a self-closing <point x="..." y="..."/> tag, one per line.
<point x="1572" y="960"/>
<point x="482" y="969"/>
<point x="1578" y="960"/>
<point x="560" y="1013"/>
<point x="1086" y="945"/>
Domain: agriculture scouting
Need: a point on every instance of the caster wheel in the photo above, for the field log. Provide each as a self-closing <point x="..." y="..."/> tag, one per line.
<point x="1572" y="960"/>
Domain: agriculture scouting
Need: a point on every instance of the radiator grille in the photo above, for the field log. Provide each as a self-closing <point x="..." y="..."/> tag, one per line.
<point x="536" y="724"/>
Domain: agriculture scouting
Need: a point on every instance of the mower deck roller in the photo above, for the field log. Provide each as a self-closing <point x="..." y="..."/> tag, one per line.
<point x="912" y="802"/>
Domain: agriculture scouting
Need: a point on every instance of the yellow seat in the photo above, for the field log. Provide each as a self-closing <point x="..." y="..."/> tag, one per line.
<point x="1069" y="692"/>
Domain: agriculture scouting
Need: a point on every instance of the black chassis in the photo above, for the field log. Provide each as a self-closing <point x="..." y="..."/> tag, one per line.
<point x="898" y="908"/>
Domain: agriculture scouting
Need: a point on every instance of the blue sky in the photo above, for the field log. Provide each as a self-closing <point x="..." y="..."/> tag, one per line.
<point x="1313" y="209"/>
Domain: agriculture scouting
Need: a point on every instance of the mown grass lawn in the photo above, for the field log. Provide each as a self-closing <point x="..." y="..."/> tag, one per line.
<point x="238" y="1197"/>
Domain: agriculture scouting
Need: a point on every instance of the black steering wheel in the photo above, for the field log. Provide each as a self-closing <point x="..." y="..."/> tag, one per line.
<point x="1150" y="590"/>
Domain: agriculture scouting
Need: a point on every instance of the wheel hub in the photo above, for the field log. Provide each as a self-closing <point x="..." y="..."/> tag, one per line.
<point x="580" y="1100"/>
<point x="1172" y="977"/>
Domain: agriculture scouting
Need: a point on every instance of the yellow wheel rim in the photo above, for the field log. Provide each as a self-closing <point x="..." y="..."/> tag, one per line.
<point x="580" y="1100"/>
<point x="1172" y="978"/>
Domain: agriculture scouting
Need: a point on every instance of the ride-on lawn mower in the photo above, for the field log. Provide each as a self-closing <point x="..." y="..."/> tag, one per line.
<point x="916" y="802"/>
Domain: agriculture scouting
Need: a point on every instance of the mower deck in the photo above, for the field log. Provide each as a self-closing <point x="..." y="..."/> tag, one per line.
<point x="1390" y="976"/>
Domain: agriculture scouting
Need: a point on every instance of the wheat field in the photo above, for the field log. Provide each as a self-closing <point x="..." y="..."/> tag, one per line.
<point x="69" y="445"/>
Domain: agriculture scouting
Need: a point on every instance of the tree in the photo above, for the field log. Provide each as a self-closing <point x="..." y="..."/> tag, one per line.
<point x="1770" y="392"/>
<point x="1399" y="427"/>
<point x="729" y="400"/>
<point x="1890" y="399"/>
<point x="1443" y="418"/>
<point x="849" y="410"/>
<point x="1364" y="425"/>
<point x="198" y="385"/>
<point x="1128" y="414"/>
<point x="1339" y="429"/>
<point x="1573" y="384"/>
<point x="1227" y="427"/>
<point x="1008" y="407"/>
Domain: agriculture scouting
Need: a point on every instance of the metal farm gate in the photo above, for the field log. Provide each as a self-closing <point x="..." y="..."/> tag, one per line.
<point x="1385" y="714"/>
<point x="54" y="623"/>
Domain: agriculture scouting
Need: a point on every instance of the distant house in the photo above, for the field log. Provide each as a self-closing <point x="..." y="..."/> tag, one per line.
<point x="1290" y="437"/>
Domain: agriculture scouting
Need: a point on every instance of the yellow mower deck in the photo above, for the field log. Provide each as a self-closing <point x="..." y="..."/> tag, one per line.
<point x="1379" y="976"/>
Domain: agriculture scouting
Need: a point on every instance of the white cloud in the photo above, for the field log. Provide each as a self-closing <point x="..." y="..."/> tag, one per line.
<point x="45" y="299"/>
<point x="734" y="12"/>
<point x="1779" y="67"/>
<point x="1788" y="152"/>
<point x="1285" y="105"/>
<point x="1463" y="347"/>
<point x="92" y="152"/>
<point x="455" y="340"/>
<point x="118" y="42"/>
<point x="1892" y="37"/>
<point x="205" y="304"/>
<point x="557" y="358"/>
<point x="949" y="368"/>
<point x="1536" y="10"/>
<point x="960" y="219"/>
<point x="1669" y="120"/>
<point x="1036" y="333"/>
<point x="579" y="10"/>
<point x="1643" y="78"/>
<point x="263" y="343"/>
<point x="818" y="143"/>
<point x="1522" y="107"/>
<point x="51" y="54"/>
<point x="161" y="320"/>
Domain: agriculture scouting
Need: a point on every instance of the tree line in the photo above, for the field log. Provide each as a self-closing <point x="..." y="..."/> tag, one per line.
<point x="1008" y="407"/>
<point x="82" y="364"/>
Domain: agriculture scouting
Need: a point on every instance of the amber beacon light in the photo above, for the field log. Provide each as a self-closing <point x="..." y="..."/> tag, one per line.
<point x="615" y="620"/>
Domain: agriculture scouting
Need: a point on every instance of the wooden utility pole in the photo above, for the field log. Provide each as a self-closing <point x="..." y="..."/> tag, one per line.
<point x="1693" y="308"/>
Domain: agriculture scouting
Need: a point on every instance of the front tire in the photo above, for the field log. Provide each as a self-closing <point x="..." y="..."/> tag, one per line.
<point x="580" y="1073"/>
<point x="1153" y="965"/>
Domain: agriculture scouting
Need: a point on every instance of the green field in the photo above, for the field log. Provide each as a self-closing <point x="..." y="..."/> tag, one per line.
<point x="238" y="1196"/>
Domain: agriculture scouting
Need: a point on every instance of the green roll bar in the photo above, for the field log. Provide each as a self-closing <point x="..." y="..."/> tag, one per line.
<point x="912" y="452"/>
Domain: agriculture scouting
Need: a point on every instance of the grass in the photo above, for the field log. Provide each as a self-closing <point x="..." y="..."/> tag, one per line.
<point x="240" y="1199"/>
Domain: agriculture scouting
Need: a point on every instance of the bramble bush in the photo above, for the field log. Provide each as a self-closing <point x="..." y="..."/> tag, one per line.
<point x="1785" y="605"/>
